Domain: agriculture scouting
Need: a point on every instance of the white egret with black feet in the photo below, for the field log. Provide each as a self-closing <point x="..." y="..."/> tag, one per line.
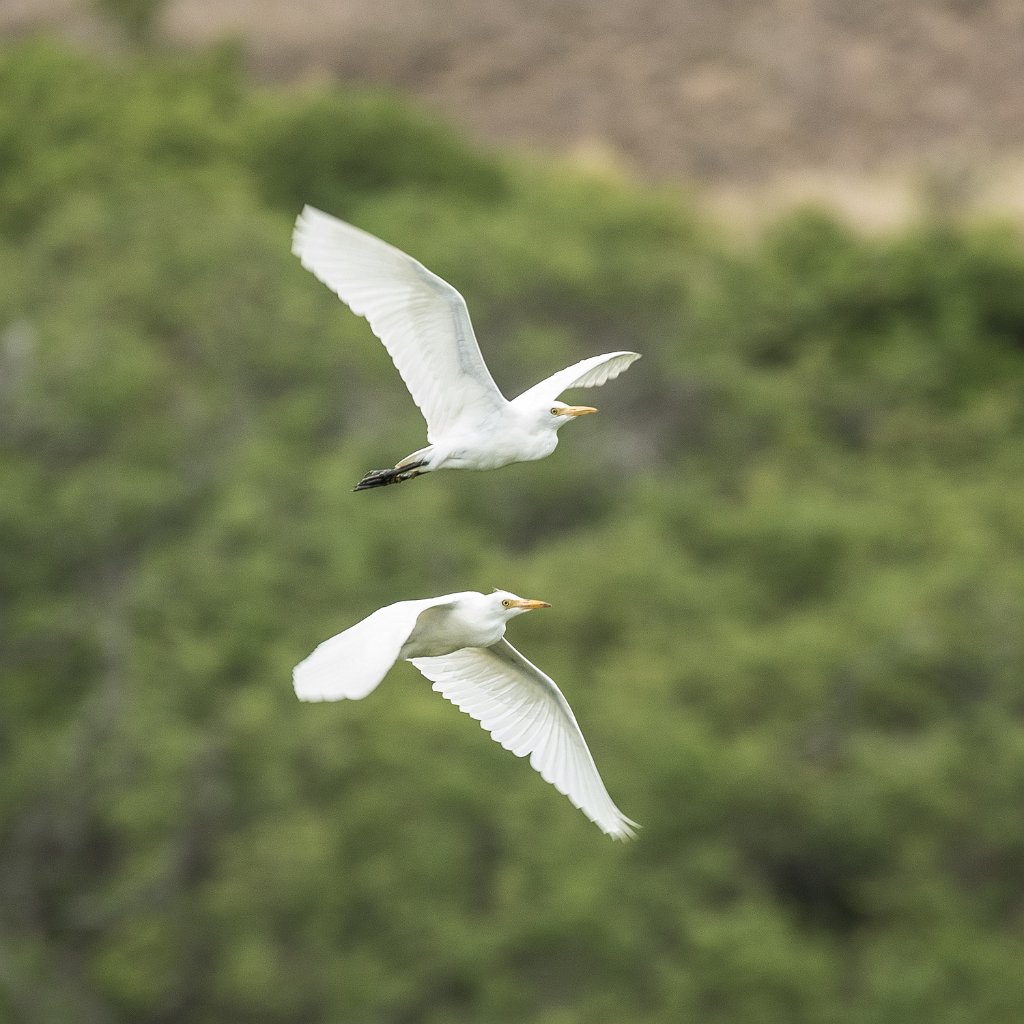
<point x="424" y="325"/>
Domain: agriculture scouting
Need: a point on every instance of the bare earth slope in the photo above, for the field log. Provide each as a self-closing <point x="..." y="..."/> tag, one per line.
<point x="745" y="98"/>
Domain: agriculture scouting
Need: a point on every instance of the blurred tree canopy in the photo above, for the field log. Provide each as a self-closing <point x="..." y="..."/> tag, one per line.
<point x="786" y="564"/>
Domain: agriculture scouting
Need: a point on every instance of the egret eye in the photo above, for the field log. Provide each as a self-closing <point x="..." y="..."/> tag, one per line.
<point x="506" y="603"/>
<point x="554" y="411"/>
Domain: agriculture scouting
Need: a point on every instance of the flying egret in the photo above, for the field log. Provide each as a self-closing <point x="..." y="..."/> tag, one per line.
<point x="458" y="642"/>
<point x="424" y="324"/>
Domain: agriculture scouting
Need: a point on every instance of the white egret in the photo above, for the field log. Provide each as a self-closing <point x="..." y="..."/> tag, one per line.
<point x="457" y="642"/>
<point x="425" y="327"/>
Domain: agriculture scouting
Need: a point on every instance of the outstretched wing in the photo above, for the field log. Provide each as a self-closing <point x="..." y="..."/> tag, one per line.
<point x="352" y="663"/>
<point x="525" y="712"/>
<point x="587" y="373"/>
<point x="422" y="320"/>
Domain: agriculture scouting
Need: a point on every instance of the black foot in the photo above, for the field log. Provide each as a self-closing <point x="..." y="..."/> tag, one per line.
<point x="383" y="477"/>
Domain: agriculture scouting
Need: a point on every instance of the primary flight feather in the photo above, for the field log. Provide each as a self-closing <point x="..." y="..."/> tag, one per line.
<point x="424" y="325"/>
<point x="457" y="641"/>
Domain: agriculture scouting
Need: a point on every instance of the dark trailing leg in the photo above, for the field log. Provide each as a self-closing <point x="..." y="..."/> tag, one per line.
<point x="383" y="477"/>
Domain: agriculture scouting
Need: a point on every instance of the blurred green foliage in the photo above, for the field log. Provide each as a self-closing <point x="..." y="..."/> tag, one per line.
<point x="786" y="564"/>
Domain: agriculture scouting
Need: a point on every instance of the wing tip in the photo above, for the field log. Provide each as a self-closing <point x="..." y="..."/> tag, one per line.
<point x="305" y="223"/>
<point x="305" y="688"/>
<point x="626" y="359"/>
<point x="624" y="830"/>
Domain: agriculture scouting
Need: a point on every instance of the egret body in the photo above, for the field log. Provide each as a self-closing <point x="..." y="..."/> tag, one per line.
<point x="424" y="325"/>
<point x="458" y="642"/>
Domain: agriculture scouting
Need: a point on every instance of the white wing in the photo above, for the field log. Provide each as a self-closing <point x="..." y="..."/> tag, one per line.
<point x="352" y="663"/>
<point x="422" y="320"/>
<point x="525" y="712"/>
<point x="587" y="373"/>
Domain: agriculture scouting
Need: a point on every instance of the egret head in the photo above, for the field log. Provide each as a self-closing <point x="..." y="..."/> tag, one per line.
<point x="561" y="413"/>
<point x="511" y="605"/>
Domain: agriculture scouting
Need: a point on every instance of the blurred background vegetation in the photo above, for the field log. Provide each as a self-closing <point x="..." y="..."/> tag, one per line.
<point x="785" y="563"/>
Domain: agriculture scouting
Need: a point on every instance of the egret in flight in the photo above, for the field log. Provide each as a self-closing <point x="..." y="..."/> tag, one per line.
<point x="458" y="642"/>
<point x="424" y="324"/>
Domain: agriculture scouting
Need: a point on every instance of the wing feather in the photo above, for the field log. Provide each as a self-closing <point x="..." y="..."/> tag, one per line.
<point x="525" y="712"/>
<point x="421" y="319"/>
<point x="351" y="664"/>
<point x="587" y="373"/>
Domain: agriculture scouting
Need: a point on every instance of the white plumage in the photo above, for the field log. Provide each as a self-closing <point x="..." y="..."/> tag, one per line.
<point x="457" y="642"/>
<point x="424" y="325"/>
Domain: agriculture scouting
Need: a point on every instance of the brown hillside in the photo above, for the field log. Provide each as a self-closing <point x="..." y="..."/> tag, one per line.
<point x="780" y="98"/>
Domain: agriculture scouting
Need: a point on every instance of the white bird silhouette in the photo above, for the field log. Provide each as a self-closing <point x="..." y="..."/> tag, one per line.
<point x="457" y="642"/>
<point x="424" y="325"/>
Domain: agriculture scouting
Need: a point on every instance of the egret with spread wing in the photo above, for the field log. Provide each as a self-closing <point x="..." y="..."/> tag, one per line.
<point x="458" y="642"/>
<point x="424" y="324"/>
